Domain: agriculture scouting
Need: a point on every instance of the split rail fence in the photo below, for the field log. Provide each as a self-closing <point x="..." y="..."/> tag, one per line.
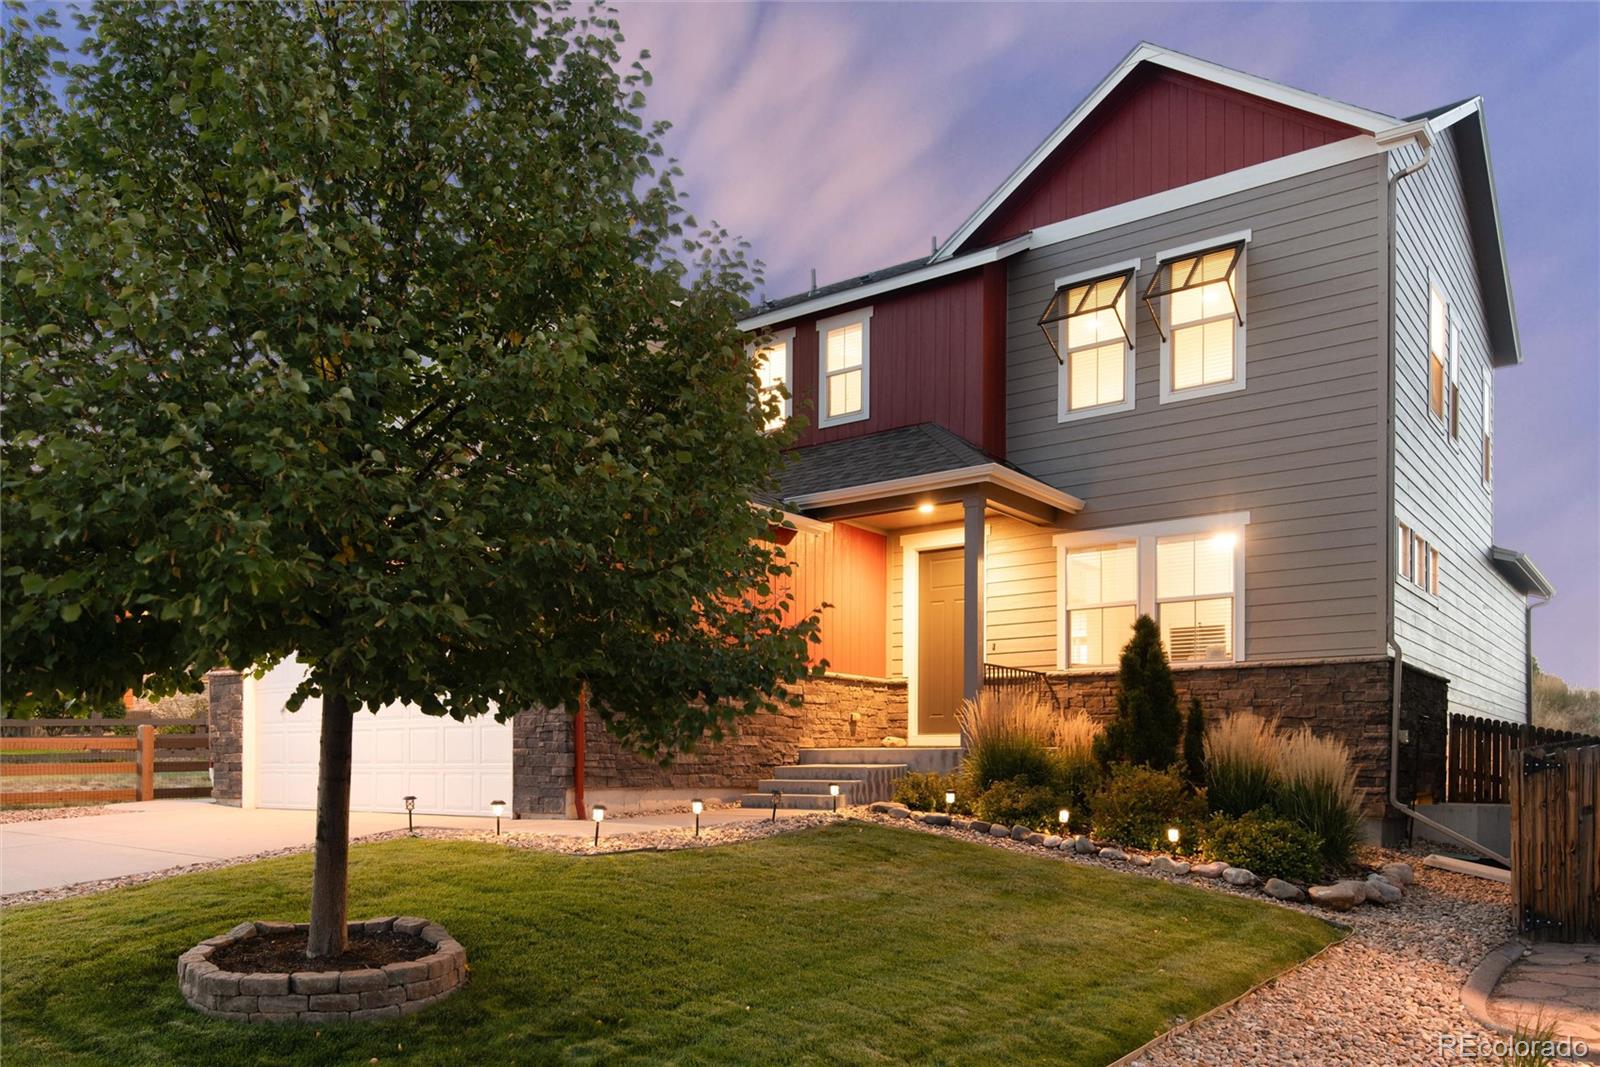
<point x="62" y="762"/>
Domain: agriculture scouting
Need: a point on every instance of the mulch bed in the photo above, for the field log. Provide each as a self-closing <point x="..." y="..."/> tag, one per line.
<point x="286" y="953"/>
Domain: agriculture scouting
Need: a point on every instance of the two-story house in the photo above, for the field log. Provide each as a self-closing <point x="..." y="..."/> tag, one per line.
<point x="1219" y="351"/>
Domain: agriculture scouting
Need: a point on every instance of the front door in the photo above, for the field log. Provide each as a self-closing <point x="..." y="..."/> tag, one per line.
<point x="942" y="602"/>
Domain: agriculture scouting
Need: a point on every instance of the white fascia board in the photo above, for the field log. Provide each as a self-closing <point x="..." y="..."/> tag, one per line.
<point x="992" y="473"/>
<point x="900" y="281"/>
<point x="1362" y="119"/>
<point x="1185" y="196"/>
<point x="1455" y="114"/>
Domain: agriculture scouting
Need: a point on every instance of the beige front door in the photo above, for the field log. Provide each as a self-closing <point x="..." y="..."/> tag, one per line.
<point x="941" y="603"/>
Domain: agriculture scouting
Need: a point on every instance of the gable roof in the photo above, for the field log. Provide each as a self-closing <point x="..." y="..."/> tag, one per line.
<point x="1465" y="123"/>
<point x="889" y="455"/>
<point x="1359" y="118"/>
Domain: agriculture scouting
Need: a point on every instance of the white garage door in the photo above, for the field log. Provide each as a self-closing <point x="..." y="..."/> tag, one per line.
<point x="452" y="768"/>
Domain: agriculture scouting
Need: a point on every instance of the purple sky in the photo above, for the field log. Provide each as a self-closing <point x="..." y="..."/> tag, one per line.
<point x="843" y="136"/>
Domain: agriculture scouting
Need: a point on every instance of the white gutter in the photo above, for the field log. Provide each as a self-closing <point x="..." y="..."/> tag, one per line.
<point x="991" y="473"/>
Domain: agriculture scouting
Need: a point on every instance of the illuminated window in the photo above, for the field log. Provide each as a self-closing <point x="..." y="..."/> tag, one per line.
<point x="1201" y="315"/>
<point x="1094" y="319"/>
<point x="1194" y="596"/>
<point x="1438" y="330"/>
<point x="1455" y="384"/>
<point x="1102" y="602"/>
<point x="845" y="345"/>
<point x="775" y="372"/>
<point x="1403" y="557"/>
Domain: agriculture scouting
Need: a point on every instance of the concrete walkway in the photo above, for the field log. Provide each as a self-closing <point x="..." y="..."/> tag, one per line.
<point x="1552" y="984"/>
<point x="153" y="836"/>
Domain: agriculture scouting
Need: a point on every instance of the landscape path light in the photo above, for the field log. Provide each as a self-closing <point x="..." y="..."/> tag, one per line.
<point x="1063" y="817"/>
<point x="949" y="800"/>
<point x="697" y="806"/>
<point x="1172" y="836"/>
<point x="833" y="791"/>
<point x="411" y="806"/>
<point x="777" y="795"/>
<point x="599" y="814"/>
<point x="498" y="807"/>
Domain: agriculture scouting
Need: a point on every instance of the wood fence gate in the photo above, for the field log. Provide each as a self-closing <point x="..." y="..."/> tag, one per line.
<point x="1555" y="842"/>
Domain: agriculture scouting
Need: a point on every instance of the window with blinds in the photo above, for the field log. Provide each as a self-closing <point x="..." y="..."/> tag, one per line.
<point x="1102" y="602"/>
<point x="1194" y="596"/>
<point x="773" y="373"/>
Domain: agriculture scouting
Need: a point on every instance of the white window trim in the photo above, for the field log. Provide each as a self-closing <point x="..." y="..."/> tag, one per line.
<point x="864" y="317"/>
<point x="1200" y="392"/>
<point x="1441" y="420"/>
<point x="912" y="545"/>
<point x="1423" y="572"/>
<point x="1452" y="387"/>
<point x="1146" y="535"/>
<point x="786" y="339"/>
<point x="1130" y="296"/>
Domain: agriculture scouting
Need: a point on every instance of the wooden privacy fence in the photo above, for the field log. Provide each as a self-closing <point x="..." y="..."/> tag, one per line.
<point x="1479" y="756"/>
<point x="48" y="762"/>
<point x="1555" y="842"/>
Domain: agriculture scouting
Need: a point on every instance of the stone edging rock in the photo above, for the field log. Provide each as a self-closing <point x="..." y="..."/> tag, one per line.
<point x="388" y="992"/>
<point x="1384" y="887"/>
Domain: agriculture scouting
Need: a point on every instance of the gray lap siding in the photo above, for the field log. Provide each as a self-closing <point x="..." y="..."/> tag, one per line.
<point x="1301" y="448"/>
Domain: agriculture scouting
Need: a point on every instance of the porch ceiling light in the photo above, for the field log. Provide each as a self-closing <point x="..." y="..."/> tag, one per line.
<point x="1086" y="297"/>
<point x="926" y="509"/>
<point x="1194" y="276"/>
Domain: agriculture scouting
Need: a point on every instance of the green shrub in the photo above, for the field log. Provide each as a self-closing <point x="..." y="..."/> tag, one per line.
<point x="1146" y="728"/>
<point x="1136" y="805"/>
<point x="1266" y="844"/>
<point x="1241" y="759"/>
<point x="1009" y="735"/>
<point x="1074" y="780"/>
<point x="1194" y="744"/>
<point x="1317" y="789"/>
<point x="925" y="790"/>
<point x="1019" y="802"/>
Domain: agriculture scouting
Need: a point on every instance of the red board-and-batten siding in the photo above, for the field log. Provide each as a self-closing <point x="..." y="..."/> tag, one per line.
<point x="1158" y="130"/>
<point x="845" y="567"/>
<point x="927" y="363"/>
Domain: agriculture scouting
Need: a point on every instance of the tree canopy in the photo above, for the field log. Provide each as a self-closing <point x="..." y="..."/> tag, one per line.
<point x="377" y="334"/>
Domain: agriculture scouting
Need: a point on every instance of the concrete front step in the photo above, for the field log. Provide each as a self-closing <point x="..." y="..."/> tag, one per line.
<point x="805" y="801"/>
<point x="941" y="760"/>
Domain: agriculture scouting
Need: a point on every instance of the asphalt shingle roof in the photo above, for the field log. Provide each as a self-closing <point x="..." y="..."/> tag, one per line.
<point x="838" y="287"/>
<point x="880" y="457"/>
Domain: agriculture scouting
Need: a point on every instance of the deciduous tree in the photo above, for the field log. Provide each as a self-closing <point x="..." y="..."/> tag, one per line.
<point x="376" y="335"/>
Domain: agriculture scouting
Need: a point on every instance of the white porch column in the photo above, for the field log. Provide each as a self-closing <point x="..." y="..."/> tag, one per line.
<point x="972" y="594"/>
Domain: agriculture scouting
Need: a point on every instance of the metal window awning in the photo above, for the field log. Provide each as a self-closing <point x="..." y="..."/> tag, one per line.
<point x="1061" y="308"/>
<point x="1165" y="284"/>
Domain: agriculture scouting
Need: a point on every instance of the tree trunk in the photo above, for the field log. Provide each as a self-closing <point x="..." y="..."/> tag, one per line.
<point x="330" y="876"/>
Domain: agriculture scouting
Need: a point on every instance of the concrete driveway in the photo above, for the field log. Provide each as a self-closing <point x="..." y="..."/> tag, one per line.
<point x="156" y="835"/>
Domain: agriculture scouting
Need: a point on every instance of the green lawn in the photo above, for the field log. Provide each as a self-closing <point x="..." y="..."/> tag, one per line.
<point x="849" y="944"/>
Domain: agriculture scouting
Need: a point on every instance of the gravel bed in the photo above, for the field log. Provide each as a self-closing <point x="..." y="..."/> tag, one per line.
<point x="82" y="811"/>
<point x="654" y="840"/>
<point x="1385" y="994"/>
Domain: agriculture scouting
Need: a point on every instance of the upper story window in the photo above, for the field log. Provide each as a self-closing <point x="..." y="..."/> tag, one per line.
<point x="1102" y="602"/>
<point x="1194" y="596"/>
<point x="1438" y="331"/>
<point x="1094" y="316"/>
<point x="775" y="372"/>
<point x="1201" y="312"/>
<point x="1488" y="427"/>
<point x="844" y="354"/>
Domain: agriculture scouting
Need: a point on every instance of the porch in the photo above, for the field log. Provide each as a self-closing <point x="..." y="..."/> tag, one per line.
<point x="936" y="562"/>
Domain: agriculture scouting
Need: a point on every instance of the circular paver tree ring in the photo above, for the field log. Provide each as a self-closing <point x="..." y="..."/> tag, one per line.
<point x="312" y="996"/>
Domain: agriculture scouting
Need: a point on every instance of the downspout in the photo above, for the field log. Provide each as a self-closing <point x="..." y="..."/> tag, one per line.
<point x="1390" y="557"/>
<point x="1527" y="637"/>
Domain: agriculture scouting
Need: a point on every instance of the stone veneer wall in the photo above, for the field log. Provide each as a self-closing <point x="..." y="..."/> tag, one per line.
<point x="1346" y="699"/>
<point x="838" y="711"/>
<point x="226" y="712"/>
